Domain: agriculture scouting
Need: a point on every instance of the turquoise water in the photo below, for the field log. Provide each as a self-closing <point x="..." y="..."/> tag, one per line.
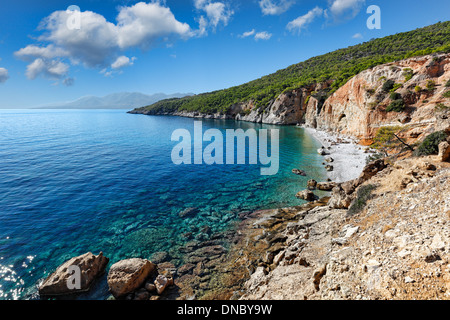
<point x="77" y="181"/>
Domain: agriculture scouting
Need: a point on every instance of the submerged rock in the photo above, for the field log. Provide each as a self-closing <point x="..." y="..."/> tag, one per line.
<point x="90" y="266"/>
<point x="128" y="275"/>
<point x="299" y="172"/>
<point x="188" y="212"/>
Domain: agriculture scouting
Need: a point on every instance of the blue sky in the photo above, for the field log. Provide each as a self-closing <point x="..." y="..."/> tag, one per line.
<point x="189" y="46"/>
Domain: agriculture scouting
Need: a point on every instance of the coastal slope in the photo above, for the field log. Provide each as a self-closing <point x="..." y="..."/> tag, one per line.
<point x="416" y="86"/>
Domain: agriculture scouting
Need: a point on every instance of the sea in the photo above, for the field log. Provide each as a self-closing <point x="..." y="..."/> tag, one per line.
<point x="77" y="181"/>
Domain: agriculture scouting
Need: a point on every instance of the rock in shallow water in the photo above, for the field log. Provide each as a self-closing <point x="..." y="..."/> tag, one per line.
<point x="299" y="172"/>
<point x="306" y="195"/>
<point x="128" y="275"/>
<point x="188" y="212"/>
<point x="90" y="267"/>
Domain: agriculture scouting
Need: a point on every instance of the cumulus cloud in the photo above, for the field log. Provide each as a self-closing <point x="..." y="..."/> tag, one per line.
<point x="303" y="21"/>
<point x="357" y="36"/>
<point x="122" y="62"/>
<point x="4" y="75"/>
<point x="51" y="69"/>
<point x="99" y="43"/>
<point x="274" y="7"/>
<point x="217" y="13"/>
<point x="345" y="9"/>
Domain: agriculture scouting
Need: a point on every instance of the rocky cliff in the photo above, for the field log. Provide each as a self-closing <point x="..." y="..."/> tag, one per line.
<point x="361" y="106"/>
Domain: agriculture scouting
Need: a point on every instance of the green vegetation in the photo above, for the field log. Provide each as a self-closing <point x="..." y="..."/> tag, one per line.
<point x="396" y="87"/>
<point x="387" y="138"/>
<point x="388" y="85"/>
<point x="418" y="89"/>
<point x="336" y="67"/>
<point x="408" y="73"/>
<point x="431" y="85"/>
<point x="441" y="107"/>
<point x="448" y="83"/>
<point x="396" y="105"/>
<point x="364" y="194"/>
<point x="431" y="144"/>
<point x="395" y="96"/>
<point x="446" y="94"/>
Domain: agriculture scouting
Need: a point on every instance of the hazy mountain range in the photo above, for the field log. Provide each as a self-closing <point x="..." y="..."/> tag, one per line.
<point x="122" y="100"/>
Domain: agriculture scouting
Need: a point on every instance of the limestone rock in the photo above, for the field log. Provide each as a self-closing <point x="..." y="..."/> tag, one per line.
<point x="312" y="184"/>
<point x="444" y="152"/>
<point x="339" y="199"/>
<point x="326" y="186"/>
<point x="161" y="283"/>
<point x="128" y="275"/>
<point x="307" y="195"/>
<point x="91" y="267"/>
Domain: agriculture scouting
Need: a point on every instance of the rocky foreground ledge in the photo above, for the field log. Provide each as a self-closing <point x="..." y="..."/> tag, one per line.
<point x="390" y="242"/>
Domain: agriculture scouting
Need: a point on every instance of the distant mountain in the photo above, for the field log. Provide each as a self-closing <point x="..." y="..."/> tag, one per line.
<point x="122" y="100"/>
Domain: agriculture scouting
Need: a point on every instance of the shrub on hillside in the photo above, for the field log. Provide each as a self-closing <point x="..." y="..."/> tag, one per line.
<point x="431" y="144"/>
<point x="431" y="85"/>
<point x="388" y="85"/>
<point x="395" y="96"/>
<point x="396" y="106"/>
<point x="408" y="73"/>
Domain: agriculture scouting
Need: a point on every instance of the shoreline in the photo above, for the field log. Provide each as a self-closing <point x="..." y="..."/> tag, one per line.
<point x="349" y="157"/>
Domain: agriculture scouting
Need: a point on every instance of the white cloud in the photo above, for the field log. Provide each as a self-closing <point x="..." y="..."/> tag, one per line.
<point x="100" y="43"/>
<point x="263" y="36"/>
<point x="274" y="7"/>
<point x="301" y="22"/>
<point x="48" y="52"/>
<point x="217" y="13"/>
<point x="345" y="8"/>
<point x="357" y="36"/>
<point x="247" y="34"/>
<point x="4" y="75"/>
<point x="122" y="62"/>
<point x="144" y="23"/>
<point x="51" y="69"/>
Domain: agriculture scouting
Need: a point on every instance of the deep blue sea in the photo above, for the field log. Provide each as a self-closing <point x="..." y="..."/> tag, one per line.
<point x="74" y="181"/>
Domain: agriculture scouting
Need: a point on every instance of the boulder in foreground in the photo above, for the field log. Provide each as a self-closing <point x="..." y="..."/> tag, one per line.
<point x="90" y="266"/>
<point x="128" y="275"/>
